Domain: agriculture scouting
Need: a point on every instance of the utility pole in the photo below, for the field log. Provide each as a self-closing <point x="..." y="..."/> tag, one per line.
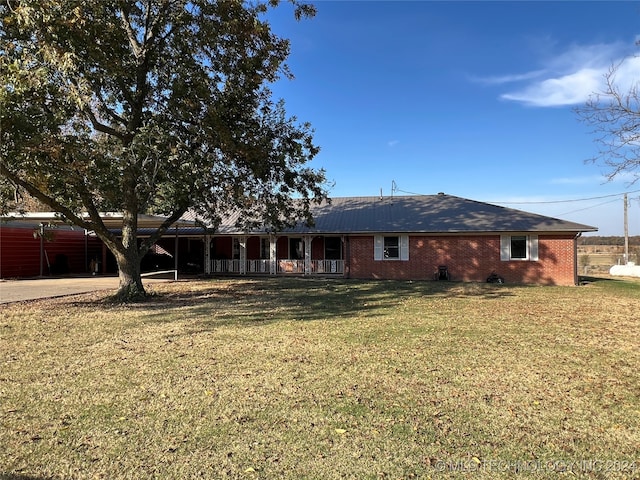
<point x="626" y="230"/>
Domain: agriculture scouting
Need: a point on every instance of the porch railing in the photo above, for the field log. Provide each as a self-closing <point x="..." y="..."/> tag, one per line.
<point x="282" y="267"/>
<point x="225" y="266"/>
<point x="258" y="266"/>
<point x="290" y="266"/>
<point x="327" y="266"/>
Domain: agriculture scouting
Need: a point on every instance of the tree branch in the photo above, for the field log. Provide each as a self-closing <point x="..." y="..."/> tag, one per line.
<point x="131" y="34"/>
<point x="101" y="127"/>
<point x="162" y="229"/>
<point x="96" y="224"/>
<point x="46" y="199"/>
<point x="109" y="111"/>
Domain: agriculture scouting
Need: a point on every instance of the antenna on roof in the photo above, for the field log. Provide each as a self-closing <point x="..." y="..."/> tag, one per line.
<point x="380" y="193"/>
<point x="394" y="187"/>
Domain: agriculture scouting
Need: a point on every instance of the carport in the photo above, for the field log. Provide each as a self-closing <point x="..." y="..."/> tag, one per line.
<point x="44" y="223"/>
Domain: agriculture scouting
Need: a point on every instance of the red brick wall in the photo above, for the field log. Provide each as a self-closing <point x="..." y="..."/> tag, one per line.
<point x="468" y="258"/>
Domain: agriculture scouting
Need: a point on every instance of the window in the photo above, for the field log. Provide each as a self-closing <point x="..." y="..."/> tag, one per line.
<point x="236" y="248"/>
<point x="519" y="247"/>
<point x="296" y="249"/>
<point x="332" y="248"/>
<point x="265" y="248"/>
<point x="391" y="247"/>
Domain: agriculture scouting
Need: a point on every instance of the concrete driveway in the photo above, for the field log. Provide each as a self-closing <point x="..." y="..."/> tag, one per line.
<point x="31" y="289"/>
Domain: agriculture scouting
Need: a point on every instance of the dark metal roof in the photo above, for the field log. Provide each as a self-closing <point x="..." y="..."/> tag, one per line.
<point x="420" y="214"/>
<point x="361" y="215"/>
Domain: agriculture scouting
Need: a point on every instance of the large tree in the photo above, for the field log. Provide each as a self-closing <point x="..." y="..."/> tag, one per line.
<point x="151" y="106"/>
<point x="614" y="115"/>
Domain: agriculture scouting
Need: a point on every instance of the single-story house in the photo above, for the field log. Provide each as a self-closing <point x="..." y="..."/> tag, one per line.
<point x="406" y="237"/>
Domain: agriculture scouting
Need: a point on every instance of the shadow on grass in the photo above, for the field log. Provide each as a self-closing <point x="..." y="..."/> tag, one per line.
<point x="267" y="300"/>
<point x="588" y="279"/>
<point x="625" y="285"/>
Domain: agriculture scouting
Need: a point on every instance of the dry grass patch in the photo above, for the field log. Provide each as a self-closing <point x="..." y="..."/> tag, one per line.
<point x="296" y="378"/>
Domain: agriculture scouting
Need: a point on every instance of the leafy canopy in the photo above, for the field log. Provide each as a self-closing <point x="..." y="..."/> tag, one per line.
<point x="151" y="106"/>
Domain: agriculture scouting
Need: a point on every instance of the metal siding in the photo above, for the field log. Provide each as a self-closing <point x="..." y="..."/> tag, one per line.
<point x="20" y="252"/>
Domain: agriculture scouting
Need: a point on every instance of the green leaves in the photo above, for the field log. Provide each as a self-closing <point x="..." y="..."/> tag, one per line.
<point x="151" y="107"/>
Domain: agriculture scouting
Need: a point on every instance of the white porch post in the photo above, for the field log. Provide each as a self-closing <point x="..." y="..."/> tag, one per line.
<point x="207" y="254"/>
<point x="243" y="255"/>
<point x="307" y="254"/>
<point x="272" y="255"/>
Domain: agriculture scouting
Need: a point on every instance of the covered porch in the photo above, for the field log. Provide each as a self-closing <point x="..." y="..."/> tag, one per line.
<point x="275" y="255"/>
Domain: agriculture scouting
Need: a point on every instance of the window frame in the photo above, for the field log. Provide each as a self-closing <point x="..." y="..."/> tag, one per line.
<point x="294" y="252"/>
<point x="530" y="247"/>
<point x="379" y="248"/>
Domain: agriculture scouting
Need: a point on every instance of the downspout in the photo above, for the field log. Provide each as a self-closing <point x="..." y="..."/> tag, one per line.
<point x="575" y="258"/>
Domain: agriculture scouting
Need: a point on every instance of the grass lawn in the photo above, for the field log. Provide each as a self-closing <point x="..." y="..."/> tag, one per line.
<point x="320" y="379"/>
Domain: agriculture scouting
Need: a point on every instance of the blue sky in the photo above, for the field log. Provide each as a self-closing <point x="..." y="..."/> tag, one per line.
<point x="474" y="99"/>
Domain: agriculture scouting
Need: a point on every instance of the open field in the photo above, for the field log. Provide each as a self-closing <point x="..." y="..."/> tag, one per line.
<point x="321" y="379"/>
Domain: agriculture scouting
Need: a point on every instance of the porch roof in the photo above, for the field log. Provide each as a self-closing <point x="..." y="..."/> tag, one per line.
<point x="112" y="220"/>
<point x="419" y="214"/>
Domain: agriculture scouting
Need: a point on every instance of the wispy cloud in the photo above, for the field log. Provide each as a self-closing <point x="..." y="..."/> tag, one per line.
<point x="568" y="89"/>
<point x="623" y="179"/>
<point x="509" y="78"/>
<point x="392" y="143"/>
<point x="579" y="180"/>
<point x="570" y="76"/>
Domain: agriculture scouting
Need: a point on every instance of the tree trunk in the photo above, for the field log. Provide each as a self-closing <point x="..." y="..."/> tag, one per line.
<point x="130" y="287"/>
<point x="129" y="258"/>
